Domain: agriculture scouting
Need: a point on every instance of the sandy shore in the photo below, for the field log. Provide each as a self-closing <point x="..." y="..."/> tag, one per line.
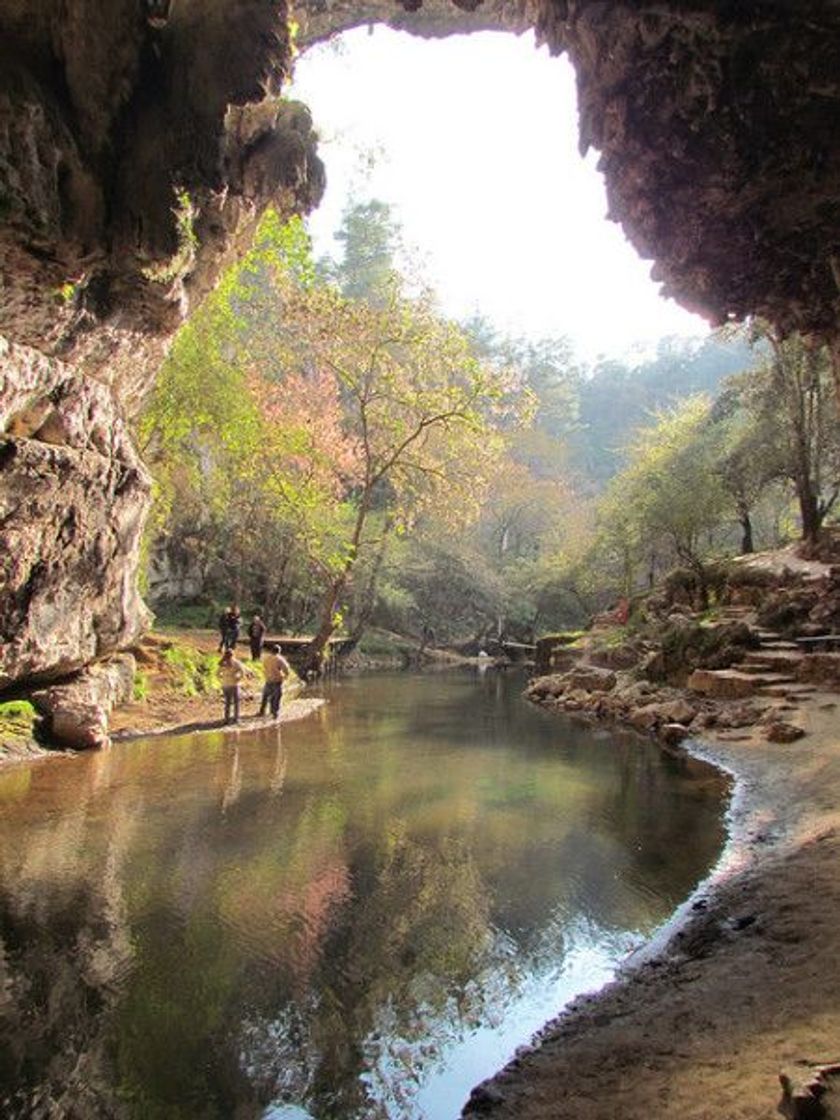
<point x="743" y="984"/>
<point x="202" y="715"/>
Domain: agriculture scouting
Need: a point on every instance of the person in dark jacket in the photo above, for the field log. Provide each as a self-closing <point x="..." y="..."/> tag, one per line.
<point x="229" y="622"/>
<point x="256" y="636"/>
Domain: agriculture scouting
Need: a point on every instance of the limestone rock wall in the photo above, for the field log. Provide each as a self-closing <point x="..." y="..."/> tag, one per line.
<point x="140" y="140"/>
<point x="73" y="501"/>
<point x="716" y="124"/>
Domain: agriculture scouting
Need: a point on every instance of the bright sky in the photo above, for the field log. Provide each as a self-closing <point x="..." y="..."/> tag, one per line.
<point x="474" y="141"/>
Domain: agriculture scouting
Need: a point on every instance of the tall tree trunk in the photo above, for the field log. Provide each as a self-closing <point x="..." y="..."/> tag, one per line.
<point x="809" y="511"/>
<point x="367" y="599"/>
<point x="834" y="352"/>
<point x="314" y="660"/>
<point x="315" y="650"/>
<point x="745" y="521"/>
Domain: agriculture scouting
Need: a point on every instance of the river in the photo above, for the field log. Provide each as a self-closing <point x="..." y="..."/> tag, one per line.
<point x="360" y="915"/>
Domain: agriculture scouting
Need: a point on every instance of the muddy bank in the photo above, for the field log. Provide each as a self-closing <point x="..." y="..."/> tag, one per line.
<point x="742" y="987"/>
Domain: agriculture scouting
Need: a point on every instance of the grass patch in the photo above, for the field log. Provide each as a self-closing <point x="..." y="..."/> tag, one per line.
<point x="141" y="687"/>
<point x="195" y="673"/>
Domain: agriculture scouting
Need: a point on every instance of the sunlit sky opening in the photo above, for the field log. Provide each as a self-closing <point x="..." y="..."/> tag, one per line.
<point x="473" y="142"/>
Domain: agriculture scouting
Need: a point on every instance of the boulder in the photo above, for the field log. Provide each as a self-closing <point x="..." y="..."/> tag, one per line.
<point x="673" y="733"/>
<point x="77" y="710"/>
<point x="722" y="684"/>
<point x="545" y="688"/>
<point x="647" y="718"/>
<point x="810" y="1092"/>
<point x="739" y="715"/>
<point x="678" y="711"/>
<point x="590" y="678"/>
<point x="781" y="732"/>
<point x="623" y="656"/>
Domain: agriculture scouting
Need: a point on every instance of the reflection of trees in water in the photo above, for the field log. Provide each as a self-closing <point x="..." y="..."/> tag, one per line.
<point x="663" y="817"/>
<point x="318" y="930"/>
<point x="397" y="981"/>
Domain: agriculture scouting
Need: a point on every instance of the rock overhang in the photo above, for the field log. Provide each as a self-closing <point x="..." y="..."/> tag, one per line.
<point x="716" y="124"/>
<point x="140" y="140"/>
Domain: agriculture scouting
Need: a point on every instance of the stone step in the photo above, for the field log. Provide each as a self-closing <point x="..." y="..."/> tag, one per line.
<point x="781" y="644"/>
<point x="778" y="660"/>
<point x="762" y="672"/>
<point x="732" y="684"/>
<point x="769" y="636"/>
<point x="793" y="690"/>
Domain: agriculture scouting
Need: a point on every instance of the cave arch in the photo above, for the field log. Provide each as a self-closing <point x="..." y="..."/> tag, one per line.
<point x="140" y="140"/>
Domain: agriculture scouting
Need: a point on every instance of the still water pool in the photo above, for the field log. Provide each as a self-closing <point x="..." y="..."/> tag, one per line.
<point x="360" y="915"/>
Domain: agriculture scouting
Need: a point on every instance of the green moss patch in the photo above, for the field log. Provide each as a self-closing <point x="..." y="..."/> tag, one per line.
<point x="17" y="720"/>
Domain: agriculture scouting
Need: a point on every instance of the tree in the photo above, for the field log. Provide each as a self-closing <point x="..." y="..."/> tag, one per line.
<point x="795" y="386"/>
<point x="748" y="459"/>
<point x="423" y="410"/>
<point x="370" y="237"/>
<point x="669" y="496"/>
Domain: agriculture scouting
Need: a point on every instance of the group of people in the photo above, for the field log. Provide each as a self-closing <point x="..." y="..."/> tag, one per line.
<point x="230" y="623"/>
<point x="276" y="669"/>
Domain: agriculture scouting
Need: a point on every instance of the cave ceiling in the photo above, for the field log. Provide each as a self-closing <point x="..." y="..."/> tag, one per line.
<point x="140" y="140"/>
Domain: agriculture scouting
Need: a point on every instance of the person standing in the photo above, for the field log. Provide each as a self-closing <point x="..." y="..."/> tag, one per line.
<point x="223" y="627"/>
<point x="231" y="673"/>
<point x="256" y="635"/>
<point x="229" y="622"/>
<point x="234" y="623"/>
<point x="276" y="669"/>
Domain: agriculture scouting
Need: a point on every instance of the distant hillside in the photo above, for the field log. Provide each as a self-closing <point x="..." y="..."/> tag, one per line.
<point x="619" y="397"/>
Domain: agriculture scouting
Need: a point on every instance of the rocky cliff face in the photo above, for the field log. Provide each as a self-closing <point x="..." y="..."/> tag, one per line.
<point x="72" y="506"/>
<point x="141" y="139"/>
<point x="139" y="143"/>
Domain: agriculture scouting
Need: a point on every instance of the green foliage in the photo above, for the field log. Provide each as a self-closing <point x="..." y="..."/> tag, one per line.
<point x="370" y="239"/>
<point x="310" y="419"/>
<point x="668" y="498"/>
<point x="620" y="396"/>
<point x="66" y="293"/>
<point x="141" y="687"/>
<point x="781" y="420"/>
<point x="196" y="672"/>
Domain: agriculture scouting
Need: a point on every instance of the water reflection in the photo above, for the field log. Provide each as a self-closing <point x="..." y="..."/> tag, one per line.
<point x="359" y="918"/>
